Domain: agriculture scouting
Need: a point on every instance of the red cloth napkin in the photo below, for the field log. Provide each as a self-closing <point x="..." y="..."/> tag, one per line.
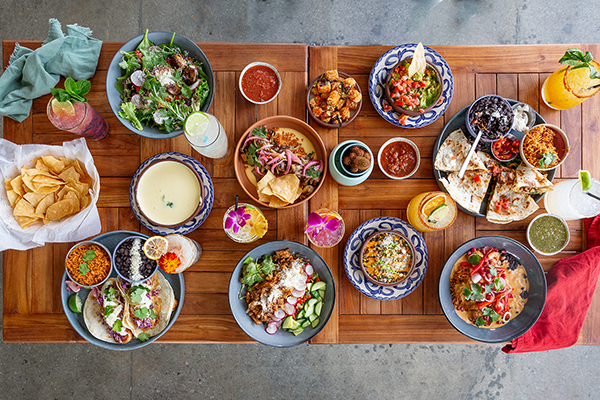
<point x="571" y="285"/>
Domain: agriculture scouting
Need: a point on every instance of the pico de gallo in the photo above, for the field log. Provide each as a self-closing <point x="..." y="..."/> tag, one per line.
<point x="506" y="148"/>
<point x="489" y="287"/>
<point x="415" y="93"/>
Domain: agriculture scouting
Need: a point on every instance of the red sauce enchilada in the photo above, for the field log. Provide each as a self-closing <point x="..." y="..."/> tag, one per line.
<point x="489" y="287"/>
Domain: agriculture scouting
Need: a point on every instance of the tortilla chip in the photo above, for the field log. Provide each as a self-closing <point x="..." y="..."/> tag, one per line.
<point x="61" y="193"/>
<point x="57" y="166"/>
<point x="298" y="193"/>
<point x="418" y="63"/>
<point x="34" y="198"/>
<point x="43" y="180"/>
<point x="264" y="182"/>
<point x="17" y="185"/>
<point x="13" y="197"/>
<point x="264" y="197"/>
<point x="45" y="203"/>
<point x="267" y="190"/>
<point x="74" y="195"/>
<point x="40" y="166"/>
<point x="276" y="202"/>
<point x="70" y="175"/>
<point x="26" y="221"/>
<point x="84" y="201"/>
<point x="285" y="187"/>
<point x="7" y="184"/>
<point x="45" y="189"/>
<point x="60" y="209"/>
<point x="84" y="177"/>
<point x="24" y="209"/>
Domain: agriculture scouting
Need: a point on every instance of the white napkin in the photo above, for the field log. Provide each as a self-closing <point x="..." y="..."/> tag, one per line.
<point x="76" y="227"/>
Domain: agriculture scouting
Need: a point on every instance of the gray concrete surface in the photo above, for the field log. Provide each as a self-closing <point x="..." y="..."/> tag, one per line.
<point x="57" y="371"/>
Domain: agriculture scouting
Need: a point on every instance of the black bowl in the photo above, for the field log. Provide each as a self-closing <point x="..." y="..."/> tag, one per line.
<point x="535" y="301"/>
<point x="114" y="72"/>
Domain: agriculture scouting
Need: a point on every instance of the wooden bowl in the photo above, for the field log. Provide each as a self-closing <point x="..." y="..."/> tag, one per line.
<point x="362" y="267"/>
<point x="401" y="110"/>
<point x="279" y="121"/>
<point x="310" y="95"/>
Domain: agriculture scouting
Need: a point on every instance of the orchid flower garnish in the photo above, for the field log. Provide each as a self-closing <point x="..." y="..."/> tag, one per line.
<point x="236" y="219"/>
<point x="316" y="223"/>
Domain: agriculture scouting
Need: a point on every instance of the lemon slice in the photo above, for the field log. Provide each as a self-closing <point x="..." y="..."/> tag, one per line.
<point x="586" y="180"/>
<point x="195" y="124"/>
<point x="155" y="247"/>
<point x="65" y="108"/>
<point x="433" y="204"/>
<point x="258" y="223"/>
<point x="75" y="303"/>
<point x="439" y="214"/>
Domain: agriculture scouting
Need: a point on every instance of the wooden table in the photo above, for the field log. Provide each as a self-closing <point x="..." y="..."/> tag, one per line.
<point x="32" y="308"/>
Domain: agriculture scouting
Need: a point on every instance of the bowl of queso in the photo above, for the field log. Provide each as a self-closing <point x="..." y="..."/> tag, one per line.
<point x="169" y="193"/>
<point x="386" y="258"/>
<point x="548" y="234"/>
<point x="399" y="158"/>
<point x="413" y="95"/>
<point x="260" y="82"/>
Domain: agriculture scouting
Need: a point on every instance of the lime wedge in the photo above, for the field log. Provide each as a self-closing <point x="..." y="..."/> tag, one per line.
<point x="75" y="303"/>
<point x="586" y="180"/>
<point x="195" y="124"/>
<point x="439" y="213"/>
<point x="65" y="108"/>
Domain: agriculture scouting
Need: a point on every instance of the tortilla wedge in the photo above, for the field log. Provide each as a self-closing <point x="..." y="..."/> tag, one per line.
<point x="529" y="180"/>
<point x="519" y="205"/>
<point x="468" y="191"/>
<point x="453" y="152"/>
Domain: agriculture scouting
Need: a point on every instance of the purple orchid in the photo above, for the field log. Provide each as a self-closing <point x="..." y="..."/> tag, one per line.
<point x="236" y="219"/>
<point x="316" y="223"/>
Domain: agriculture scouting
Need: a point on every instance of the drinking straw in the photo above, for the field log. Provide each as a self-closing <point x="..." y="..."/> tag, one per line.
<point x="237" y="197"/>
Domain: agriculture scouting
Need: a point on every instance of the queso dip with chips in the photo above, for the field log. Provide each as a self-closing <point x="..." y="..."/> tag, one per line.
<point x="168" y="192"/>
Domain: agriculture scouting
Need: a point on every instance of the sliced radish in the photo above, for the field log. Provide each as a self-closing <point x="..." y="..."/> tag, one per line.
<point x="278" y="323"/>
<point x="300" y="286"/>
<point x="279" y="314"/>
<point x="195" y="84"/>
<point x="275" y="319"/>
<point x="137" y="101"/>
<point x="289" y="309"/>
<point x="138" y="78"/>
<point x="298" y="293"/>
<point x="292" y="300"/>
<point x="476" y="278"/>
<point x="272" y="328"/>
<point x="309" y="270"/>
<point x="158" y="118"/>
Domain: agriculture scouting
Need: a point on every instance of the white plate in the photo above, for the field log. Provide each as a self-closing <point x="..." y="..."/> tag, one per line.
<point x="207" y="202"/>
<point x="352" y="263"/>
<point x="379" y="75"/>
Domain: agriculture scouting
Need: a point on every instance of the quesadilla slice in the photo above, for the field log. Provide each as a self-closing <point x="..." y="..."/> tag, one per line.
<point x="468" y="191"/>
<point x="529" y="180"/>
<point x="453" y="152"/>
<point x="507" y="205"/>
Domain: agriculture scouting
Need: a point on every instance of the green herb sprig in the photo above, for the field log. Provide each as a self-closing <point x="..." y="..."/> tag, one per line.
<point x="547" y="159"/>
<point x="88" y="256"/>
<point x="74" y="91"/>
<point x="576" y="59"/>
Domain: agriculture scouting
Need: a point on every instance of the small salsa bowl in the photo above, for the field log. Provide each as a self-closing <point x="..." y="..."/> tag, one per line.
<point x="391" y="142"/>
<point x="406" y="245"/>
<point x="261" y="67"/>
<point x="91" y="264"/>
<point x="507" y="148"/>
<point x="310" y="96"/>
<point x="560" y="142"/>
<point x="397" y="108"/>
<point x="548" y="236"/>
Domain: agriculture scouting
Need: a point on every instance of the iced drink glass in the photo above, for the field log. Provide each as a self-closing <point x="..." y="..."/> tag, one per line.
<point x="82" y="120"/>
<point x="569" y="86"/>
<point x="569" y="201"/>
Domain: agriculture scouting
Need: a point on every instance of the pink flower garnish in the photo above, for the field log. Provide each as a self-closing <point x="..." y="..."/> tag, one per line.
<point x="316" y="223"/>
<point x="72" y="286"/>
<point x="236" y="219"/>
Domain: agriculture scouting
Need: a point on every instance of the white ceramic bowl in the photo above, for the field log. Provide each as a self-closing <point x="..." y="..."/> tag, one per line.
<point x="561" y="142"/>
<point x="399" y="139"/>
<point x="335" y="169"/>
<point x="561" y="220"/>
<point x="254" y="64"/>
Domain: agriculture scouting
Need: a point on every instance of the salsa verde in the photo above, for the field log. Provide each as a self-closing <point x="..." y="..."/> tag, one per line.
<point x="548" y="234"/>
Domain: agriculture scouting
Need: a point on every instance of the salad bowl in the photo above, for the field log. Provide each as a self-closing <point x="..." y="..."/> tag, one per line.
<point x="115" y="71"/>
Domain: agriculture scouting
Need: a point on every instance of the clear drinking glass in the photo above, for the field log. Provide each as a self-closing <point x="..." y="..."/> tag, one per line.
<point x="213" y="142"/>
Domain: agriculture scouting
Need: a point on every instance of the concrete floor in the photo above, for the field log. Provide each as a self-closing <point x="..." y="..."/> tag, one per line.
<point x="328" y="372"/>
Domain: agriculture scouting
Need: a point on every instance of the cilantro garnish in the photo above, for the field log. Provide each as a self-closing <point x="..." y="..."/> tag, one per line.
<point x="547" y="159"/>
<point x="170" y="204"/>
<point x="109" y="291"/>
<point x="497" y="284"/>
<point x="89" y="255"/>
<point x="474" y="259"/>
<point x="476" y="293"/>
<point x="488" y="288"/>
<point x="493" y="270"/>
<point x="493" y="315"/>
<point x="108" y="310"/>
<point x="117" y="326"/>
<point x="143" y="336"/>
<point x="83" y="268"/>
<point x="144" y="312"/>
<point x="480" y="322"/>
<point x="261" y="132"/>
<point x="255" y="272"/>
<point x="136" y="293"/>
<point x="313" y="172"/>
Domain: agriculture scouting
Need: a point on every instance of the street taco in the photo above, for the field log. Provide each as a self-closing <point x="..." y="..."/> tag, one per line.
<point x="151" y="305"/>
<point x="104" y="314"/>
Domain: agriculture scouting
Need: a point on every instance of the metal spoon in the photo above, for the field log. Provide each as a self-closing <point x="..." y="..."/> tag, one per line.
<point x="465" y="164"/>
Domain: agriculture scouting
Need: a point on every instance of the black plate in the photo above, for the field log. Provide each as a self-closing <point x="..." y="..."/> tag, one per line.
<point x="535" y="302"/>
<point x="458" y="121"/>
<point x="111" y="240"/>
<point x="281" y="338"/>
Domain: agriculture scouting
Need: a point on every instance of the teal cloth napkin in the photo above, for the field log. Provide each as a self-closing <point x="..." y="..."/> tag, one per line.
<point x="32" y="73"/>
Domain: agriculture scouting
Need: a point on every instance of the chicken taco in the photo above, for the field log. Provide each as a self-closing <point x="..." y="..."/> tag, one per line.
<point x="105" y="312"/>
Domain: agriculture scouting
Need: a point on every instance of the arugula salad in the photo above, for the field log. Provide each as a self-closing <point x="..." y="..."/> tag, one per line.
<point x="161" y="85"/>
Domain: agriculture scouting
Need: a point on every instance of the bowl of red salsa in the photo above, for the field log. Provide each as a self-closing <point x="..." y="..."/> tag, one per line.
<point x="260" y="82"/>
<point x="415" y="95"/>
<point x="506" y="148"/>
<point x="399" y="158"/>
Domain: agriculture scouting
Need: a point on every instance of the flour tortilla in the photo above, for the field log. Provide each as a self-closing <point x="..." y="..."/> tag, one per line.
<point x="529" y="180"/>
<point x="466" y="191"/>
<point x="521" y="205"/>
<point x="453" y="152"/>
<point x="92" y="316"/>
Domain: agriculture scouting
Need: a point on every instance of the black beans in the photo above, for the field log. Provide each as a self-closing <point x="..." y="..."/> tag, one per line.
<point x="493" y="115"/>
<point x="123" y="259"/>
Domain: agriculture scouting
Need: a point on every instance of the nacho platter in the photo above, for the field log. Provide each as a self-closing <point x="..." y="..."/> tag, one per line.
<point x="111" y="240"/>
<point x="458" y="121"/>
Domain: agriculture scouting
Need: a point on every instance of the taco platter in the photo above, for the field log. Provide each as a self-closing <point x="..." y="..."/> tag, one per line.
<point x="123" y="316"/>
<point x="502" y="192"/>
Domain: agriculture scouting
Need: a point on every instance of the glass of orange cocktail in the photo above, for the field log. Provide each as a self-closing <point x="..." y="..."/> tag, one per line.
<point x="431" y="211"/>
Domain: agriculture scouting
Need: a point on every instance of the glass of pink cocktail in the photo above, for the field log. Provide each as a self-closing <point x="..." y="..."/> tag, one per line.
<point x="324" y="228"/>
<point x="78" y="118"/>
